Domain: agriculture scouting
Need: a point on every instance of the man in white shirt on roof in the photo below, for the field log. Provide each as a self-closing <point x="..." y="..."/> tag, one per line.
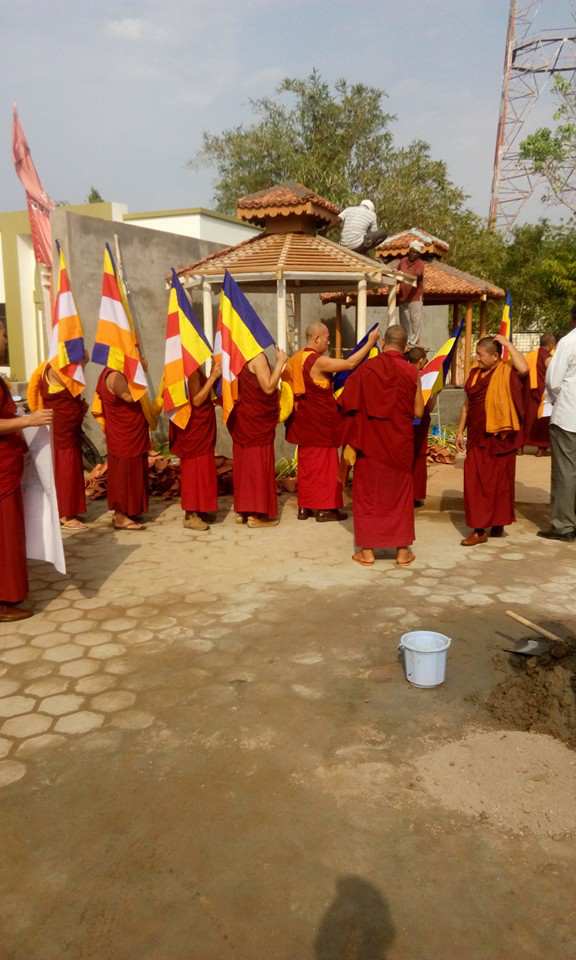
<point x="561" y="388"/>
<point x="360" y="228"/>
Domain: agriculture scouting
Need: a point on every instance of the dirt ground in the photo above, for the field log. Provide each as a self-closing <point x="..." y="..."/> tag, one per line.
<point x="210" y="750"/>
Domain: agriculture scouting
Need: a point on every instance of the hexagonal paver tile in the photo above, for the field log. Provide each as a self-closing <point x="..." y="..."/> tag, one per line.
<point x="78" y="626"/>
<point x="118" y="624"/>
<point x="137" y="635"/>
<point x="8" y="687"/>
<point x="160" y="622"/>
<point x="28" y="726"/>
<point x="64" y="616"/>
<point x="132" y="720"/>
<point x="64" y="652"/>
<point x="48" y="640"/>
<point x="5" y="747"/>
<point x="93" y="638"/>
<point x="114" y="700"/>
<point x="143" y="611"/>
<point x="79" y="668"/>
<point x="47" y="687"/>
<point x="91" y="603"/>
<point x="37" y="671"/>
<point x="7" y="643"/>
<point x="119" y="666"/>
<point x="45" y="741"/>
<point x="106" y="651"/>
<point x="58" y="603"/>
<point x="14" y="706"/>
<point x="61" y="704"/>
<point x="81" y="722"/>
<point x="34" y="627"/>
<point x="11" y="771"/>
<point x="97" y="684"/>
<point x="20" y="655"/>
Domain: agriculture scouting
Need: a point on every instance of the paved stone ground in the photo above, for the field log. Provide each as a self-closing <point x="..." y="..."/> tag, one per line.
<point x="208" y="746"/>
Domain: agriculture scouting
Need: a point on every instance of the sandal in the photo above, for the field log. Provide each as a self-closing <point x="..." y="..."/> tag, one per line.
<point x="406" y="563"/>
<point x="357" y="557"/>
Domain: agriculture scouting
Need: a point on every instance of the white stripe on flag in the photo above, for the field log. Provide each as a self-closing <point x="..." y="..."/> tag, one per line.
<point x="66" y="305"/>
<point x="226" y="372"/>
<point x="113" y="311"/>
<point x="173" y="350"/>
<point x="140" y="377"/>
<point x="78" y="374"/>
<point x="429" y="379"/>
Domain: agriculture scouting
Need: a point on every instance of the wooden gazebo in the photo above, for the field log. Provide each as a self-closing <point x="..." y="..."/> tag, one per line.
<point x="443" y="285"/>
<point x="290" y="257"/>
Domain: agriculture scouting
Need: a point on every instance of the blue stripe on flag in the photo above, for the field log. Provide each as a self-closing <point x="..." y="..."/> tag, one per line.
<point x="341" y="377"/>
<point x="186" y="307"/>
<point x="246" y="312"/>
<point x="100" y="353"/>
<point x="75" y="349"/>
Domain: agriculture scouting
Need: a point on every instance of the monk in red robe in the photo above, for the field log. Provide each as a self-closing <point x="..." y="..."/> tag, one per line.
<point x="492" y="417"/>
<point x="380" y="401"/>
<point x="48" y="391"/>
<point x="128" y="442"/>
<point x="13" y="573"/>
<point x="195" y="444"/>
<point x="252" y="425"/>
<point x="417" y="356"/>
<point x="316" y="423"/>
<point x="537" y="426"/>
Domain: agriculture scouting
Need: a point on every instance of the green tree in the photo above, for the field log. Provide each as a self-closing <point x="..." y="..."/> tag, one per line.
<point x="94" y="196"/>
<point x="551" y="153"/>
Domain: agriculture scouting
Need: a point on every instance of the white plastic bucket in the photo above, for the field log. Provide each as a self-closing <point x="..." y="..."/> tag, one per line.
<point x="425" y="654"/>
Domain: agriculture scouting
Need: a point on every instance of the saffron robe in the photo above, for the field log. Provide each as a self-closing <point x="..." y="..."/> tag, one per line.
<point x="127" y="439"/>
<point x="537" y="429"/>
<point x="67" y="434"/>
<point x="13" y="572"/>
<point x="378" y="401"/>
<point x="316" y="427"/>
<point x="195" y="444"/>
<point x="420" y="465"/>
<point x="252" y="426"/>
<point x="490" y="464"/>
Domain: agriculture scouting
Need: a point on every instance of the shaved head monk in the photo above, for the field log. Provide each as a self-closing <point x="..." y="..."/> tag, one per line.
<point x="13" y="573"/>
<point x="252" y="425"/>
<point x="51" y="393"/>
<point x="316" y="423"/>
<point x="417" y="356"/>
<point x="380" y="401"/>
<point x="492" y="417"/>
<point x="128" y="442"/>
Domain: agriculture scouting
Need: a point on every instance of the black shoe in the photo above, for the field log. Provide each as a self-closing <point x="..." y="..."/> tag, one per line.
<point x="304" y="513"/>
<point x="554" y="535"/>
<point x="497" y="532"/>
<point x="325" y="516"/>
<point x="419" y="503"/>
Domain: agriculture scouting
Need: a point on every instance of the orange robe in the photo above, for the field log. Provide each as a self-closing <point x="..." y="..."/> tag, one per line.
<point x="252" y="425"/>
<point x="537" y="429"/>
<point x="128" y="441"/>
<point x="13" y="572"/>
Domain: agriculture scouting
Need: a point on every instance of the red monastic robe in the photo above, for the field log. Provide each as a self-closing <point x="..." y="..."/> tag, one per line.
<point x="252" y="425"/>
<point x="195" y="446"/>
<point x="128" y="441"/>
<point x="316" y="427"/>
<point x="537" y="429"/>
<point x="420" y="465"/>
<point x="13" y="573"/>
<point x="378" y="400"/>
<point x="67" y="433"/>
<point x="490" y="464"/>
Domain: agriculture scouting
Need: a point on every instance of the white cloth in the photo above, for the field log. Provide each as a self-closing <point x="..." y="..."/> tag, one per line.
<point x="561" y="383"/>
<point x="356" y="221"/>
<point x="41" y="519"/>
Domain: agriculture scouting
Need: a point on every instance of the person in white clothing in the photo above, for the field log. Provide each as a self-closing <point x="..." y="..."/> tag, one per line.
<point x="561" y="389"/>
<point x="360" y="228"/>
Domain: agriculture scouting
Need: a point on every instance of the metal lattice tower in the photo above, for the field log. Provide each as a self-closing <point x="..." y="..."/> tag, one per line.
<point x="529" y="64"/>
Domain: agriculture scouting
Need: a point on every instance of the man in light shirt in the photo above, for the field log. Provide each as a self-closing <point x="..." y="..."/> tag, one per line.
<point x="360" y="228"/>
<point x="561" y="388"/>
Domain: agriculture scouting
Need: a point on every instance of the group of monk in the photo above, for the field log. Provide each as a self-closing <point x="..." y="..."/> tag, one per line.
<point x="378" y="421"/>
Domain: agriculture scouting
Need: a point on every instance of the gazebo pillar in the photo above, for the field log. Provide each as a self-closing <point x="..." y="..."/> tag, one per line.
<point x="297" y="333"/>
<point x="281" y="314"/>
<point x="338" y="331"/>
<point x="468" y="339"/>
<point x="392" y="304"/>
<point x="454" y="363"/>
<point x="483" y="318"/>
<point x="361" y="308"/>
<point x="207" y="311"/>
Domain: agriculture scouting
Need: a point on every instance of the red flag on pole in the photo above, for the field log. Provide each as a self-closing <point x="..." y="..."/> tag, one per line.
<point x="39" y="203"/>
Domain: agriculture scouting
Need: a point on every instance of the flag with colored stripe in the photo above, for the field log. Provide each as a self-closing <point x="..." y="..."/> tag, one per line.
<point x="186" y="349"/>
<point x="240" y="336"/>
<point x="115" y="345"/>
<point x="66" y="347"/>
<point x="433" y="375"/>
<point x="505" y="329"/>
<point x="340" y="378"/>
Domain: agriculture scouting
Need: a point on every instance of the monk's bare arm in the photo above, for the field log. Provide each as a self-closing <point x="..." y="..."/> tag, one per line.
<point x="518" y="359"/>
<point x="198" y="394"/>
<point x="118" y="385"/>
<point x="419" y="402"/>
<point x="268" y="379"/>
<point x="331" y="365"/>
<point x="462" y="426"/>
<point x="40" y="418"/>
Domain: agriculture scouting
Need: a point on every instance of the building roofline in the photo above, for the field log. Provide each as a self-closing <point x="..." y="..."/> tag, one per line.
<point x="191" y="211"/>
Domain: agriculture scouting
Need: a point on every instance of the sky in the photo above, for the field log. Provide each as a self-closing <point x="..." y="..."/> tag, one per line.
<point x="117" y="95"/>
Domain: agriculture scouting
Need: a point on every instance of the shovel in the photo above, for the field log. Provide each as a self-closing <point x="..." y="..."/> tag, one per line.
<point x="536" y="648"/>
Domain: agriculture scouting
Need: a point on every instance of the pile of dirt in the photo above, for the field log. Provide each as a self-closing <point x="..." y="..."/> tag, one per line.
<point x="163" y="478"/>
<point x="540" y="696"/>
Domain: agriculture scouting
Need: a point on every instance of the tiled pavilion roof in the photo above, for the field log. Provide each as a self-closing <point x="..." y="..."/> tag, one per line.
<point x="398" y="245"/>
<point x="283" y="200"/>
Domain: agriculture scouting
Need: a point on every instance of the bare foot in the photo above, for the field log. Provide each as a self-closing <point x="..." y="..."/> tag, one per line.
<point x="122" y="522"/>
<point x="72" y="523"/>
<point x="404" y="556"/>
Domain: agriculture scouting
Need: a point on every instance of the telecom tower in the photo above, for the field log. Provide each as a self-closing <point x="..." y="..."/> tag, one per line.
<point x="529" y="64"/>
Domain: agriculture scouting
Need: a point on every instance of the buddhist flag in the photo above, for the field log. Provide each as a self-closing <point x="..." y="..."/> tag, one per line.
<point x="115" y="345"/>
<point x="66" y="348"/>
<point x="433" y="375"/>
<point x="240" y="336"/>
<point x="39" y="203"/>
<point x="341" y="377"/>
<point x="186" y="349"/>
<point x="505" y="329"/>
